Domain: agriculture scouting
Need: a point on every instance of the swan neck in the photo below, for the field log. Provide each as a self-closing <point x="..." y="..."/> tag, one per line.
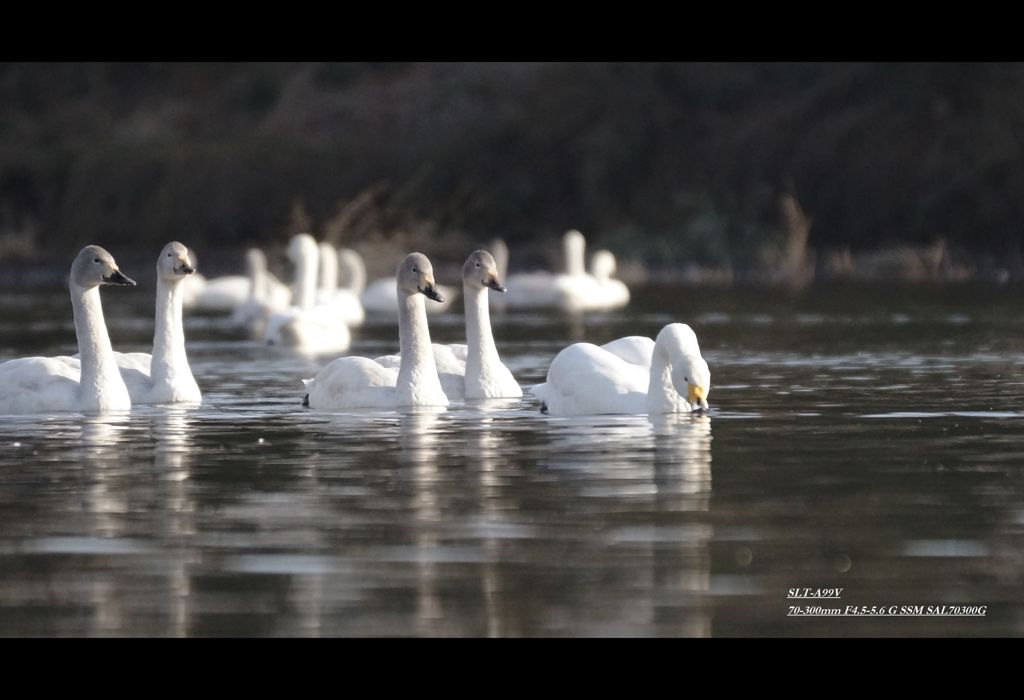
<point x="328" y="272"/>
<point x="481" y="350"/>
<point x="574" y="255"/>
<point x="169" y="359"/>
<point x="99" y="368"/>
<point x="661" y="394"/>
<point x="257" y="281"/>
<point x="355" y="273"/>
<point x="417" y="374"/>
<point x="305" y="279"/>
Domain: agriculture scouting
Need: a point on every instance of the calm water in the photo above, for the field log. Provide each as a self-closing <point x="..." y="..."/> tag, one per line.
<point x="861" y="439"/>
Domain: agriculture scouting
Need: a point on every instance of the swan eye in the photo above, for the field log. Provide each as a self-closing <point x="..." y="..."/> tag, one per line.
<point x="96" y="260"/>
<point x="170" y="255"/>
<point x="478" y="264"/>
<point x="415" y="270"/>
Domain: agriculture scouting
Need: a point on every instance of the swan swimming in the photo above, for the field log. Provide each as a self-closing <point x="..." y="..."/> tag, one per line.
<point x="474" y="370"/>
<point x="306" y="326"/>
<point x="359" y="382"/>
<point x="629" y="375"/>
<point x="164" y="376"/>
<point x="40" y="384"/>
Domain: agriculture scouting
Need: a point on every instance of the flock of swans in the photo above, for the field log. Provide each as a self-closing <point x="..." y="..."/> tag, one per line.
<point x="631" y="375"/>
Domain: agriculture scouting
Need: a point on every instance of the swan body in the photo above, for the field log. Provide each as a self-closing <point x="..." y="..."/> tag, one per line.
<point x="42" y="384"/>
<point x="630" y="375"/>
<point x="359" y="382"/>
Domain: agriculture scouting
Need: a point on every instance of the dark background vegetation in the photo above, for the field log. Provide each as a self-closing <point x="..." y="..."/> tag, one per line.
<point x="759" y="170"/>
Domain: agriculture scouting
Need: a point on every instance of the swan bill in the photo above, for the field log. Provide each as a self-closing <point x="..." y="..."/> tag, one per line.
<point x="431" y="293"/>
<point x="118" y="277"/>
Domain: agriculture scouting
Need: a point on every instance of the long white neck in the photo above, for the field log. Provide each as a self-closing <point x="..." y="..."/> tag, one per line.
<point x="305" y="279"/>
<point x="575" y="249"/>
<point x="328" y="269"/>
<point x="101" y="383"/>
<point x="257" y="280"/>
<point x="418" y="383"/>
<point x="169" y="367"/>
<point x="661" y="394"/>
<point x="351" y="266"/>
<point x="481" y="351"/>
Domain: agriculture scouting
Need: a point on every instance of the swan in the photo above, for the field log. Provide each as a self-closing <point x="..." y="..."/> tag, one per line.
<point x="629" y="375"/>
<point x="344" y="301"/>
<point x="359" y="382"/>
<point x="575" y="289"/>
<point x="164" y="376"/>
<point x="306" y="326"/>
<point x="263" y="301"/>
<point x="39" y="384"/>
<point x="474" y="370"/>
<point x="544" y="289"/>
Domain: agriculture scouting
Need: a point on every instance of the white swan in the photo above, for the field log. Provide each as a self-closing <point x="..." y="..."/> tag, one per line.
<point x="544" y="289"/>
<point x="164" y="376"/>
<point x="359" y="382"/>
<point x="474" y="370"/>
<point x="344" y="301"/>
<point x="264" y="299"/>
<point x="629" y="375"/>
<point x="574" y="290"/>
<point x="39" y="384"/>
<point x="306" y="326"/>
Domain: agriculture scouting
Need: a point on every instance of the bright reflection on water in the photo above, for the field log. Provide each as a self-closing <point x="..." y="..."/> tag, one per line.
<point x="863" y="439"/>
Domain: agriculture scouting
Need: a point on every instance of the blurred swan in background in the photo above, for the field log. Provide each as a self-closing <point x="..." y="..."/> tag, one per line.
<point x="306" y="326"/>
<point x="574" y="289"/>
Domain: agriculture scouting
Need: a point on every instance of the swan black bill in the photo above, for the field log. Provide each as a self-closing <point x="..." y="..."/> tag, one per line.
<point x="493" y="284"/>
<point x="431" y="293"/>
<point x="117" y="277"/>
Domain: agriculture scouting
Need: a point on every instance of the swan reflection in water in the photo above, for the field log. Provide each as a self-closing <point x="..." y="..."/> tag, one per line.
<point x="174" y="432"/>
<point x="419" y="441"/>
<point x="645" y="483"/>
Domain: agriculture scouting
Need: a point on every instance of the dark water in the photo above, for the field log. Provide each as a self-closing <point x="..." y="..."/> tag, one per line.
<point x="863" y="439"/>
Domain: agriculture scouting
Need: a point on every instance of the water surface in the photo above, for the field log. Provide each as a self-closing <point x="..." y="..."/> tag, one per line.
<point x="860" y="438"/>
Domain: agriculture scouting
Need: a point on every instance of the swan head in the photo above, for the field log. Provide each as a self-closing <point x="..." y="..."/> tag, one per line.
<point x="416" y="276"/>
<point x="602" y="264"/>
<point x="95" y="266"/>
<point x="481" y="271"/>
<point x="256" y="260"/>
<point x="175" y="262"/>
<point x="302" y="247"/>
<point x="691" y="375"/>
